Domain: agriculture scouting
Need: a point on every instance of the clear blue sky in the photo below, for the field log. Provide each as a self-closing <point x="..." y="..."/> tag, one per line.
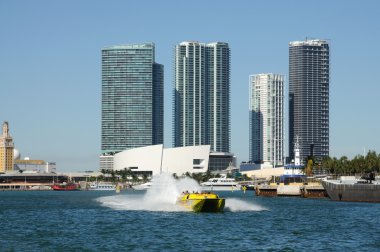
<point x="50" y="64"/>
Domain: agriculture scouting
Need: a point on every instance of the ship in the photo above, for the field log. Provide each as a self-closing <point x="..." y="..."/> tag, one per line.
<point x="65" y="187"/>
<point x="365" y="189"/>
<point x="102" y="187"/>
<point x="220" y="184"/>
<point x="144" y="186"/>
<point x="202" y="202"/>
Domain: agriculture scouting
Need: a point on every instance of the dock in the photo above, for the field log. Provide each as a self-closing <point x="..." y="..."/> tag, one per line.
<point x="25" y="186"/>
<point x="296" y="190"/>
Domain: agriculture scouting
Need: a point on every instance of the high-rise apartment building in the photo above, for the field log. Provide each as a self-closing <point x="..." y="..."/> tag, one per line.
<point x="132" y="98"/>
<point x="6" y="150"/>
<point x="201" y="97"/>
<point x="309" y="77"/>
<point x="266" y="119"/>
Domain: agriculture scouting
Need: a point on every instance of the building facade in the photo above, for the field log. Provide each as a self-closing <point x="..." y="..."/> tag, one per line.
<point x="6" y="150"/>
<point x="132" y="98"/>
<point x="34" y="166"/>
<point x="266" y="119"/>
<point x="309" y="79"/>
<point x="192" y="159"/>
<point x="106" y="162"/>
<point x="221" y="161"/>
<point x="201" y="95"/>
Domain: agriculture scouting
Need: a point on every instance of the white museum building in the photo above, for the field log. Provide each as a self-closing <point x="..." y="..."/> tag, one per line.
<point x="156" y="159"/>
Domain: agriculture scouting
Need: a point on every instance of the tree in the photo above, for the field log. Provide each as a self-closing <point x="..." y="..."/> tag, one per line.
<point x="359" y="164"/>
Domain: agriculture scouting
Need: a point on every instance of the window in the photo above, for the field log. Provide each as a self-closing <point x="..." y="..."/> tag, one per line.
<point x="197" y="161"/>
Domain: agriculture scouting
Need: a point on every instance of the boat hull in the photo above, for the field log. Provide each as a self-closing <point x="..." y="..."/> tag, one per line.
<point x="354" y="192"/>
<point x="102" y="187"/>
<point x="219" y="188"/>
<point x="65" y="187"/>
<point x="204" y="202"/>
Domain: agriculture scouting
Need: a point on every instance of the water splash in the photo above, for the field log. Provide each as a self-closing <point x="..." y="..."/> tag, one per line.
<point x="163" y="195"/>
<point x="237" y="205"/>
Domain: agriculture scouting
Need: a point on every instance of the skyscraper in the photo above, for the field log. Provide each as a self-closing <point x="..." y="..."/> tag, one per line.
<point x="266" y="118"/>
<point x="201" y="97"/>
<point x="6" y="150"/>
<point x="132" y="98"/>
<point x="309" y="77"/>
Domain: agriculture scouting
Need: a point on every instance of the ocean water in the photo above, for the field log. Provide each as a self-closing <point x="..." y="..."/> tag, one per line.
<point x="151" y="221"/>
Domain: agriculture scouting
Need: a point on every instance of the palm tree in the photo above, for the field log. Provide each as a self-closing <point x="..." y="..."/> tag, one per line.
<point x="343" y="164"/>
<point x="371" y="161"/>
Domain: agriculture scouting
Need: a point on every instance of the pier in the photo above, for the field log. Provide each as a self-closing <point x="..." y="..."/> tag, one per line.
<point x="25" y="186"/>
<point x="305" y="191"/>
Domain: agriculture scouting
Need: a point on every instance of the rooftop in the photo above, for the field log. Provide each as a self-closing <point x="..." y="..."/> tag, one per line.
<point x="310" y="42"/>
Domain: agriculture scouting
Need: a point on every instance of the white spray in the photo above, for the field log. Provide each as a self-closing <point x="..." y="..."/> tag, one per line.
<point x="163" y="195"/>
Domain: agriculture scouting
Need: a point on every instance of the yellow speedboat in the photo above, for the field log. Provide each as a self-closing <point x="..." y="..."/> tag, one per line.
<point x="202" y="202"/>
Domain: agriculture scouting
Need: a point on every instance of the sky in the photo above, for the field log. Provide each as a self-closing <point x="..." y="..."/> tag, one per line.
<point x="50" y="65"/>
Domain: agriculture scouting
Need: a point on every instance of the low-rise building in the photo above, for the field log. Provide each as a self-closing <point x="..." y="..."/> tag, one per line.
<point x="155" y="159"/>
<point x="34" y="166"/>
<point x="106" y="162"/>
<point x="220" y="161"/>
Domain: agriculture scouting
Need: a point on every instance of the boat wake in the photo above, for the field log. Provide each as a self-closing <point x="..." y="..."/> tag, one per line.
<point x="162" y="197"/>
<point x="139" y="203"/>
<point x="237" y="205"/>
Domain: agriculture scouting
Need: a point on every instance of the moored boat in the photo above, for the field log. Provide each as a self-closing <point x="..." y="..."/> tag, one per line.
<point x="65" y="187"/>
<point x="202" y="202"/>
<point x="220" y="184"/>
<point x="144" y="186"/>
<point x="103" y="187"/>
<point x="352" y="189"/>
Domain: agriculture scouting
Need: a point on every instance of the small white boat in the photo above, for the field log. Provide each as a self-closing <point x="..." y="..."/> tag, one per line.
<point x="103" y="186"/>
<point x="220" y="184"/>
<point x="144" y="186"/>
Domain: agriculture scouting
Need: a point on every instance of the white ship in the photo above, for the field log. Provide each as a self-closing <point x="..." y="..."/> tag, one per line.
<point x="220" y="184"/>
<point x="144" y="186"/>
<point x="102" y="186"/>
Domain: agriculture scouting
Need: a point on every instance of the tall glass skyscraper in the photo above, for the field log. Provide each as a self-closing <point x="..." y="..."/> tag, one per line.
<point x="201" y="97"/>
<point x="266" y="119"/>
<point x="309" y="77"/>
<point x="132" y="98"/>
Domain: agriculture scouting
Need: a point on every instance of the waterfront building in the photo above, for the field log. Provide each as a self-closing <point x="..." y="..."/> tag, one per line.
<point x="106" y="162"/>
<point x="30" y="181"/>
<point x="309" y="77"/>
<point x="192" y="159"/>
<point x="266" y="119"/>
<point x="221" y="161"/>
<point x="201" y="95"/>
<point x="251" y="166"/>
<point x="132" y="98"/>
<point x="6" y="150"/>
<point x="34" y="166"/>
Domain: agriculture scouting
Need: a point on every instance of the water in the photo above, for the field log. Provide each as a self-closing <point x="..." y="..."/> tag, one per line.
<point x="140" y="221"/>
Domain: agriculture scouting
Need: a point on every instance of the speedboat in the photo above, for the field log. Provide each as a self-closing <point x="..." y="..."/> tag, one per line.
<point x="220" y="184"/>
<point x="202" y="202"/>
